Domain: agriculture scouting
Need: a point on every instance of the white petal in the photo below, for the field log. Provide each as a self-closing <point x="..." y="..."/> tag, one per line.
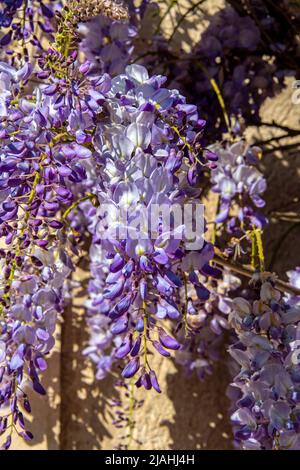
<point x="137" y="73"/>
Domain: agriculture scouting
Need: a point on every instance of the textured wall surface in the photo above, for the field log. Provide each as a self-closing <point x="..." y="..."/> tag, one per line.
<point x="189" y="414"/>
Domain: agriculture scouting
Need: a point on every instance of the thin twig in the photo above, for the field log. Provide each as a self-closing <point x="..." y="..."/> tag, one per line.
<point x="281" y="285"/>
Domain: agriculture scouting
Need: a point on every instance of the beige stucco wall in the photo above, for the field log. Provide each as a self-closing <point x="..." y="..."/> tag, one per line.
<point x="189" y="414"/>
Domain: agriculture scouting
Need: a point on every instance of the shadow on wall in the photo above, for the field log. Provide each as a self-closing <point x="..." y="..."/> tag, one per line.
<point x="282" y="236"/>
<point x="281" y="167"/>
<point x="200" y="418"/>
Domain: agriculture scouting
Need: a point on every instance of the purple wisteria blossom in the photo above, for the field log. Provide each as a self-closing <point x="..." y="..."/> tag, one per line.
<point x="39" y="166"/>
<point x="294" y="280"/>
<point x="202" y="335"/>
<point x="240" y="185"/>
<point x="22" y="23"/>
<point x="106" y="44"/>
<point x="99" y="156"/>
<point x="266" y="390"/>
<point x="145" y="160"/>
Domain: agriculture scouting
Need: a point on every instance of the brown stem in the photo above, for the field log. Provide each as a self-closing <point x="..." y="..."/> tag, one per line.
<point x="239" y="269"/>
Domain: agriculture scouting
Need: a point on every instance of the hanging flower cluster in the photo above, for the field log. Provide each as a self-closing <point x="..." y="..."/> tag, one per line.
<point x="138" y="135"/>
<point x="267" y="385"/>
<point x="206" y="326"/>
<point x="95" y="149"/>
<point x="239" y="183"/>
<point x="146" y="161"/>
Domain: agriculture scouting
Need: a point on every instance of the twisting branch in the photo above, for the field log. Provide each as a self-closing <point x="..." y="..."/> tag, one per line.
<point x="243" y="271"/>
